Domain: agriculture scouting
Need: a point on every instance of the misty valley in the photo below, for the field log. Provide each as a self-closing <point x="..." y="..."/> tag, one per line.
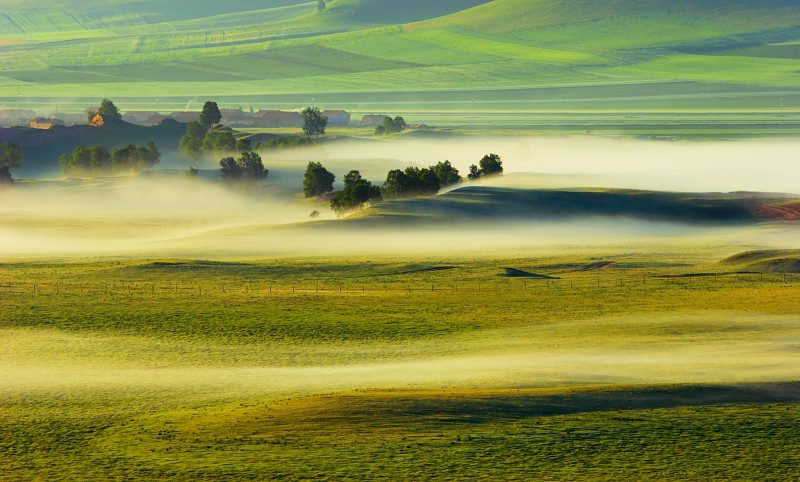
<point x="363" y="240"/>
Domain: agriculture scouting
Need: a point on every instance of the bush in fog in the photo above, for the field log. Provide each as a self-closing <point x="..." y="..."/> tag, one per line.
<point x="248" y="167"/>
<point x="490" y="164"/>
<point x="95" y="160"/>
<point x="10" y="158"/>
<point x="356" y="193"/>
<point x="415" y="181"/>
<point x="317" y="180"/>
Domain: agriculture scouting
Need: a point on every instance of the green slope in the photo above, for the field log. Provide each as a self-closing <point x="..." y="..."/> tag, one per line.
<point x="49" y="47"/>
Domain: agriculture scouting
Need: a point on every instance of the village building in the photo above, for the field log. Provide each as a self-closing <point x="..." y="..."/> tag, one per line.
<point x="373" y="120"/>
<point x="185" y="117"/>
<point x="276" y="118"/>
<point x="337" y="118"/>
<point x="233" y="116"/>
<point x="46" y="123"/>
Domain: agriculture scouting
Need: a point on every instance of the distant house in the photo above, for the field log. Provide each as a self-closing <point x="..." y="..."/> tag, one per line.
<point x="139" y="116"/>
<point x="185" y="117"/>
<point x="337" y="117"/>
<point x="45" y="123"/>
<point x="233" y="116"/>
<point x="277" y="118"/>
<point x="372" y="120"/>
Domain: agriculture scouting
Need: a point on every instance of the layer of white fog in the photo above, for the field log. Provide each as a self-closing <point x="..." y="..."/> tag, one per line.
<point x="166" y="214"/>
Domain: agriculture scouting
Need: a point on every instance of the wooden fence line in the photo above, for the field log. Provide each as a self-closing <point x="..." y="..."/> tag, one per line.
<point x="248" y="287"/>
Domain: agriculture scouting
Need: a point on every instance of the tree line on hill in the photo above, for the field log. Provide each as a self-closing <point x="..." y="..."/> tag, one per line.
<point x="95" y="160"/>
<point x="410" y="182"/>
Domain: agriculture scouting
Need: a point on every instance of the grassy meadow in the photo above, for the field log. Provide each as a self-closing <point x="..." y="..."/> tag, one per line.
<point x="587" y="367"/>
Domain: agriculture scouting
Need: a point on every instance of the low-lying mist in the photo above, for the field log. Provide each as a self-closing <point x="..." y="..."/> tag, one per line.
<point x="166" y="214"/>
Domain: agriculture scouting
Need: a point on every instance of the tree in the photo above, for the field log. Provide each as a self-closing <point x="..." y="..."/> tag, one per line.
<point x="11" y="157"/>
<point x="219" y="141"/>
<point x="244" y="144"/>
<point x="135" y="158"/>
<point x="317" y="180"/>
<point x="491" y="164"/>
<point x="396" y="184"/>
<point x="321" y="5"/>
<point x="108" y="109"/>
<point x="390" y="126"/>
<point x="230" y="168"/>
<point x="357" y="192"/>
<point x="248" y="167"/>
<point x="474" y="172"/>
<point x="252" y="166"/>
<point x="446" y="173"/>
<point x="99" y="160"/>
<point x="380" y="130"/>
<point x="210" y="114"/>
<point x="314" y="122"/>
<point x="192" y="143"/>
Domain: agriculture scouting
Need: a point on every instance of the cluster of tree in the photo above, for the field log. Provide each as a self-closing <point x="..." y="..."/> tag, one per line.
<point x="390" y="126"/>
<point x="106" y="109"/>
<point x="356" y="193"/>
<point x="314" y="122"/>
<point x="415" y="181"/>
<point x="317" y="180"/>
<point x="95" y="160"/>
<point x="201" y="138"/>
<point x="248" y="167"/>
<point x="490" y="164"/>
<point x="285" y="143"/>
<point x="10" y="158"/>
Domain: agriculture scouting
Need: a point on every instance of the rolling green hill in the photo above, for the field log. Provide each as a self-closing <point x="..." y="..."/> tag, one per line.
<point x="149" y="49"/>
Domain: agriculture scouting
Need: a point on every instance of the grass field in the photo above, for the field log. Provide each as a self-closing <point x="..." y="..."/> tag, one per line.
<point x="371" y="46"/>
<point x="327" y="370"/>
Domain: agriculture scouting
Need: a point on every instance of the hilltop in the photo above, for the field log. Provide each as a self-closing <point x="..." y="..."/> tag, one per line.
<point x="692" y="50"/>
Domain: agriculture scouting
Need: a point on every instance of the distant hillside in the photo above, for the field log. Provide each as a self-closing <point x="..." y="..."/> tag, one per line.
<point x="146" y="48"/>
<point x="43" y="147"/>
<point x="492" y="204"/>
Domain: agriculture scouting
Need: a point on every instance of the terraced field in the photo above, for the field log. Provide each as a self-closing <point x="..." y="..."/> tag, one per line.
<point x="151" y="50"/>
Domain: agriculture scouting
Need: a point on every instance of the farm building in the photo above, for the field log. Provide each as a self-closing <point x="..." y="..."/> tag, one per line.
<point x="44" y="123"/>
<point x="276" y="118"/>
<point x="372" y="120"/>
<point x="232" y="116"/>
<point x="337" y="117"/>
<point x="185" y="117"/>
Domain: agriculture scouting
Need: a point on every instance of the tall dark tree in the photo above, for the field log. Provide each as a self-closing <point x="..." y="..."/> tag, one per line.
<point x="317" y="180"/>
<point x="474" y="172"/>
<point x="210" y="114"/>
<point x="192" y="143"/>
<point x="314" y="122"/>
<point x="248" y="167"/>
<point x="230" y="168"/>
<point x="357" y="192"/>
<point x="390" y="126"/>
<point x="491" y="164"/>
<point x="446" y="173"/>
<point x="10" y="158"/>
<point x="396" y="185"/>
<point x="252" y="166"/>
<point x="108" y="109"/>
